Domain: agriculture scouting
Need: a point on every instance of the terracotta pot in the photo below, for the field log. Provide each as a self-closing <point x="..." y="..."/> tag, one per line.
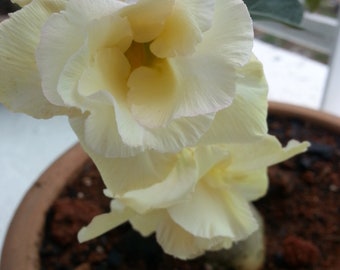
<point x="21" y="247"/>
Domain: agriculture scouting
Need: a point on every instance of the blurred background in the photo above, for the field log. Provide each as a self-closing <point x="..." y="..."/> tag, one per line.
<point x="302" y="68"/>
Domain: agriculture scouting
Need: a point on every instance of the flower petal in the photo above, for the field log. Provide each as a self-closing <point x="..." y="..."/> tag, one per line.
<point x="215" y="212"/>
<point x="251" y="185"/>
<point x="245" y="120"/>
<point x="182" y="244"/>
<point x="83" y="85"/>
<point x="202" y="11"/>
<point x="105" y="222"/>
<point x="148" y="167"/>
<point x="206" y="84"/>
<point x="179" y="133"/>
<point x="179" y="36"/>
<point x="175" y="188"/>
<point x="147" y="224"/>
<point x="208" y="156"/>
<point x="150" y="94"/>
<point x="20" y="86"/>
<point x="184" y="87"/>
<point x="63" y="35"/>
<point x="263" y="153"/>
<point x="109" y="31"/>
<point x="231" y="34"/>
<point x="147" y="18"/>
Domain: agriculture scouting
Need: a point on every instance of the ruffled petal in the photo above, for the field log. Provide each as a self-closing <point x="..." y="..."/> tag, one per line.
<point x="83" y="85"/>
<point x="215" y="212"/>
<point x="176" y="187"/>
<point x="105" y="222"/>
<point x="69" y="78"/>
<point x="148" y="223"/>
<point x="180" y="34"/>
<point x="184" y="87"/>
<point x="20" y="85"/>
<point x="182" y="244"/>
<point x="109" y="31"/>
<point x="147" y="18"/>
<point x="231" y="34"/>
<point x="202" y="11"/>
<point x="265" y="152"/>
<point x="208" y="156"/>
<point x="148" y="167"/>
<point x="251" y="185"/>
<point x="179" y="133"/>
<point x="206" y="84"/>
<point x="245" y="120"/>
<point x="150" y="95"/>
<point x="63" y="35"/>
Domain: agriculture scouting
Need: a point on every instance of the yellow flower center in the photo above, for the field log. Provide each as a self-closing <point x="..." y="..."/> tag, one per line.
<point x="139" y="54"/>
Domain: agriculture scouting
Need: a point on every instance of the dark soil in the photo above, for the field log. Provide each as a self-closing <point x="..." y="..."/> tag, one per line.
<point x="301" y="214"/>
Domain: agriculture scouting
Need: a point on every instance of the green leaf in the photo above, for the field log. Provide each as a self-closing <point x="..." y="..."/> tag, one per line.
<point x="313" y="5"/>
<point x="285" y="11"/>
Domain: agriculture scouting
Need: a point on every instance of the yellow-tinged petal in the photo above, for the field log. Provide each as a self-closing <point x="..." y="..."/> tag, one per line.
<point x="202" y="11"/>
<point x="63" y="35"/>
<point x="206" y="84"/>
<point x="150" y="95"/>
<point x="179" y="36"/>
<point x="245" y="120"/>
<point x="231" y="34"/>
<point x="147" y="223"/>
<point x="99" y="133"/>
<point x="179" y="133"/>
<point x="147" y="18"/>
<point x="68" y="80"/>
<point x="174" y="189"/>
<point x="246" y="254"/>
<point x="263" y="153"/>
<point x="208" y="156"/>
<point x="182" y="244"/>
<point x="251" y="185"/>
<point x="148" y="167"/>
<point x="109" y="31"/>
<point x="182" y="87"/>
<point x="105" y="222"/>
<point x="20" y="85"/>
<point x="222" y="213"/>
<point x="83" y="85"/>
<point x="99" y="129"/>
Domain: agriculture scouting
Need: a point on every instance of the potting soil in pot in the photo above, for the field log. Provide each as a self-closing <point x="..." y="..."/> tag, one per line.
<point x="301" y="213"/>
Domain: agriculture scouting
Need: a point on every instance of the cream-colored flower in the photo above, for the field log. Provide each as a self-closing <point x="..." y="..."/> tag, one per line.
<point x="151" y="166"/>
<point x="196" y="206"/>
<point x="134" y="75"/>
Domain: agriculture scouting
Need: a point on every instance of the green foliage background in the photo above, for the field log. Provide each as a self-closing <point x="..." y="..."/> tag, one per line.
<point x="285" y="11"/>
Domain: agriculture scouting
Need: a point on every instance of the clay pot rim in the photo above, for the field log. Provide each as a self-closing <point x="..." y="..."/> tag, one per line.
<point x="24" y="255"/>
<point x="18" y="254"/>
<point x="321" y="119"/>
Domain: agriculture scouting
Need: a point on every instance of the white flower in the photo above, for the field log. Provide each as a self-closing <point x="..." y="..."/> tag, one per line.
<point x="132" y="75"/>
<point x="202" y="200"/>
